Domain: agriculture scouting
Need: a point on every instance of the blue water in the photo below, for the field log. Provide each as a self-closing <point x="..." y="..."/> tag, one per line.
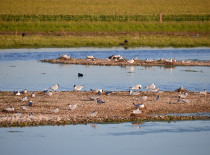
<point x="22" y="69"/>
<point x="149" y="138"/>
<point x="200" y="54"/>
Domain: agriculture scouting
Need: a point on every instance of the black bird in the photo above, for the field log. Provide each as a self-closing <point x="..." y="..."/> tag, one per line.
<point x="125" y="42"/>
<point x="23" y="34"/>
<point x="80" y="75"/>
<point x="158" y="98"/>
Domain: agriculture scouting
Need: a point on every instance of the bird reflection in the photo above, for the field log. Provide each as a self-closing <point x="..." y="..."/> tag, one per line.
<point x="137" y="125"/>
<point x="94" y="126"/>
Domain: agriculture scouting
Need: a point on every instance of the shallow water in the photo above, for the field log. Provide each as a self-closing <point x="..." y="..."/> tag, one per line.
<point x="199" y="54"/>
<point x="21" y="69"/>
<point x="152" y="138"/>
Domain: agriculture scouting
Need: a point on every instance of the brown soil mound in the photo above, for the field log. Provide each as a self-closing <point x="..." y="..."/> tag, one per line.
<point x="118" y="106"/>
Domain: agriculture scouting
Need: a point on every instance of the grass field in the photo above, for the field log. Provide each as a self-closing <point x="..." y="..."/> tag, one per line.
<point x="103" y="7"/>
<point x="50" y="23"/>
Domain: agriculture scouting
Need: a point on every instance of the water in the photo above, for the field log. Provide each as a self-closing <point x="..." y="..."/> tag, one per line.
<point x="200" y="54"/>
<point x="22" y="69"/>
<point x="152" y="138"/>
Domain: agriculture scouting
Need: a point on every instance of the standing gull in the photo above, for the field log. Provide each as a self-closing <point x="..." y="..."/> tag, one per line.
<point x="136" y="87"/>
<point x="138" y="105"/>
<point x="133" y="93"/>
<point x="131" y="61"/>
<point x="78" y="87"/>
<point x="204" y="92"/>
<point x="55" y="87"/>
<point x="92" y="114"/>
<point x="55" y="110"/>
<point x="72" y="107"/>
<point x="151" y="87"/>
<point x="137" y="111"/>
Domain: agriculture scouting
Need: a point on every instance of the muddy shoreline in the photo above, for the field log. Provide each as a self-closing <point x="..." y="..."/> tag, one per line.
<point x="118" y="107"/>
<point x="115" y="62"/>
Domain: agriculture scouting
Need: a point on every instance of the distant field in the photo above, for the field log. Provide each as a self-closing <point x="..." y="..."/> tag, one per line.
<point x="103" y="7"/>
<point x="187" y="22"/>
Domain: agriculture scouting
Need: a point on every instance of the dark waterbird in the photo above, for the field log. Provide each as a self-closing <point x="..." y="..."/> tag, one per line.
<point x="80" y="75"/>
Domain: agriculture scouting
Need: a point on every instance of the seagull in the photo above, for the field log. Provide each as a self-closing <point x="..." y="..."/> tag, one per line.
<point x="137" y="111"/>
<point x="17" y="114"/>
<point x="25" y="91"/>
<point x="55" y="110"/>
<point x="183" y="95"/>
<point x="55" y="87"/>
<point x="143" y="97"/>
<point x="204" y="92"/>
<point x="99" y="101"/>
<point x="90" y="57"/>
<point x="179" y="100"/>
<point x="186" y="101"/>
<point x="78" y="87"/>
<point x="131" y="61"/>
<point x="72" y="107"/>
<point x="10" y="109"/>
<point x="133" y="93"/>
<point x="92" y="114"/>
<point x="49" y="93"/>
<point x="108" y="92"/>
<point x="93" y="97"/>
<point x="17" y="93"/>
<point x="155" y="90"/>
<point x="151" y="87"/>
<point x="65" y="56"/>
<point x="45" y="90"/>
<point x="25" y="98"/>
<point x="136" y="87"/>
<point x="33" y="95"/>
<point x="138" y="105"/>
<point x="158" y="98"/>
<point x="30" y="103"/>
<point x="24" y="107"/>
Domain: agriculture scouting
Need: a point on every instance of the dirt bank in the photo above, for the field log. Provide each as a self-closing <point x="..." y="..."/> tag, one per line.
<point x="115" y="62"/>
<point x="118" y="107"/>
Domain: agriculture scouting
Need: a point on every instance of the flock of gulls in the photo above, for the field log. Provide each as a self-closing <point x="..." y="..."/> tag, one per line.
<point x="182" y="98"/>
<point x="134" y="90"/>
<point x="121" y="58"/>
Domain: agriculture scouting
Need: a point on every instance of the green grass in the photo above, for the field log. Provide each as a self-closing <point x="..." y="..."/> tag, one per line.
<point x="108" y="16"/>
<point x="57" y="26"/>
<point x="11" y="41"/>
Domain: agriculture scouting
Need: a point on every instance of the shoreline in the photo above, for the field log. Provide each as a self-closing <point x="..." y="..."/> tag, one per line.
<point x="118" y="62"/>
<point x="118" y="107"/>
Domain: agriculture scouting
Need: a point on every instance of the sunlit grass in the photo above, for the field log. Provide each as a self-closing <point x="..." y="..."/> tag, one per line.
<point x="57" y="26"/>
<point x="11" y="41"/>
<point x="104" y="7"/>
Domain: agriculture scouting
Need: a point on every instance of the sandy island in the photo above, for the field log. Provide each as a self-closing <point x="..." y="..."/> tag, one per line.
<point x="118" y="107"/>
<point x="123" y="62"/>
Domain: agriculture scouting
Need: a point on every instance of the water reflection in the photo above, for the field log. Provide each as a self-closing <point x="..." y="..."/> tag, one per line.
<point x="165" y="138"/>
<point x="39" y="76"/>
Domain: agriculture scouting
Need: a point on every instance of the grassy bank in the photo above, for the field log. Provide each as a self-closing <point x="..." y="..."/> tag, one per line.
<point x="37" y="41"/>
<point x="88" y="26"/>
<point x="56" y="19"/>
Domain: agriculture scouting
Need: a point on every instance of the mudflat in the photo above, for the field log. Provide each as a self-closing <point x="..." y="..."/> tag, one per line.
<point x="118" y="107"/>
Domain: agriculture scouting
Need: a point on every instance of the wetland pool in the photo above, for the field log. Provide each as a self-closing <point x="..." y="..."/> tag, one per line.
<point x="152" y="138"/>
<point x="22" y="69"/>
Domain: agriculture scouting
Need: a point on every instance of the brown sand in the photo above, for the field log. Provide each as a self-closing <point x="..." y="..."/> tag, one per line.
<point x="118" y="106"/>
<point x="111" y="62"/>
